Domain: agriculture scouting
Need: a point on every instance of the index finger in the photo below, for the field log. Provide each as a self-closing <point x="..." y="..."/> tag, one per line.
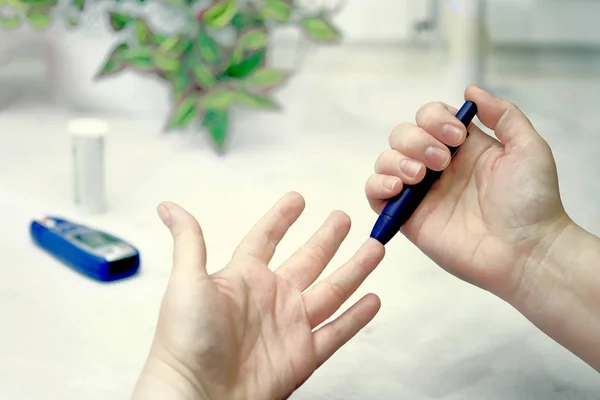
<point x="439" y="120"/>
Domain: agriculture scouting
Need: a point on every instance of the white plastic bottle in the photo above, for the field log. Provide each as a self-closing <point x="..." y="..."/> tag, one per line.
<point x="87" y="144"/>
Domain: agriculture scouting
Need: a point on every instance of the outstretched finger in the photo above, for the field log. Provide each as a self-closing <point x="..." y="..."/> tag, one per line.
<point x="327" y="296"/>
<point x="330" y="337"/>
<point x="307" y="263"/>
<point x="189" y="250"/>
<point x="260" y="243"/>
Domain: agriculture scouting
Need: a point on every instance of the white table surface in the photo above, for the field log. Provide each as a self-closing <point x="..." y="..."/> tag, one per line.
<point x="64" y="337"/>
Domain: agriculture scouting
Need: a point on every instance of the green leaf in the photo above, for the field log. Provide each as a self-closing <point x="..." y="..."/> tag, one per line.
<point x="220" y="14"/>
<point x="265" y="78"/>
<point x="39" y="18"/>
<point x="166" y="62"/>
<point x="184" y="46"/>
<point x="203" y="76"/>
<point x="167" y="43"/>
<point x="119" y="21"/>
<point x="78" y="4"/>
<point x="159" y="39"/>
<point x="246" y="66"/>
<point x="177" y="3"/>
<point x="244" y="19"/>
<point x="185" y="112"/>
<point x="114" y="63"/>
<point x="174" y="45"/>
<point x="217" y="124"/>
<point x="39" y="3"/>
<point x="111" y="67"/>
<point x="256" y="101"/>
<point x="118" y="50"/>
<point x="10" y="23"/>
<point x="142" y="31"/>
<point x="319" y="29"/>
<point x="209" y="49"/>
<point x="140" y="58"/>
<point x="180" y="81"/>
<point x="276" y="10"/>
<point x="17" y="5"/>
<point x="254" y="39"/>
<point x="217" y="99"/>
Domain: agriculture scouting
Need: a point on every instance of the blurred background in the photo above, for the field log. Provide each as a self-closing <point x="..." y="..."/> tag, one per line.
<point x="183" y="101"/>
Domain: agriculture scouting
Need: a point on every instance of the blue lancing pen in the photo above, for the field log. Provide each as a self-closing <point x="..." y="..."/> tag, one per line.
<point x="400" y="208"/>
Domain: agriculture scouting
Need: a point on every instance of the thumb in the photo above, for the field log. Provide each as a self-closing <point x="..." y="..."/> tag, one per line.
<point x="189" y="250"/>
<point x="510" y="125"/>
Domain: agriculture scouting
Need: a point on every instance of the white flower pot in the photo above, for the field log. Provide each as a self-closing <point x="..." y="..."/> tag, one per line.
<point x="287" y="49"/>
<point x="74" y="57"/>
<point x="10" y="43"/>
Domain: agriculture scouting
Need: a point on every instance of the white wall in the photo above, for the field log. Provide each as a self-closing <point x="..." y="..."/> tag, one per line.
<point x="545" y="21"/>
<point x="530" y="21"/>
<point x="379" y="20"/>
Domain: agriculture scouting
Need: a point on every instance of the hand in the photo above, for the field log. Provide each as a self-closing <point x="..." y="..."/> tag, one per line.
<point x="487" y="215"/>
<point x="247" y="332"/>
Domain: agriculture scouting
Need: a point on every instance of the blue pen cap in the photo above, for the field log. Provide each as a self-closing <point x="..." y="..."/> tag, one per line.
<point x="466" y="113"/>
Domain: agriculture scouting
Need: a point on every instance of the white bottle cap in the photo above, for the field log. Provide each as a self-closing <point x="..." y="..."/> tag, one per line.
<point x="90" y="127"/>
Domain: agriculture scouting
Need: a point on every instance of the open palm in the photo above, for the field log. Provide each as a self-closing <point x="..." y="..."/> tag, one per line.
<point x="496" y="200"/>
<point x="247" y="332"/>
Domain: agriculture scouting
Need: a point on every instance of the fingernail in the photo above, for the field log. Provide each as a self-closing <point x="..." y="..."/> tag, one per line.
<point x="452" y="134"/>
<point x="164" y="214"/>
<point x="410" y="167"/>
<point x="389" y="183"/>
<point x="436" y="156"/>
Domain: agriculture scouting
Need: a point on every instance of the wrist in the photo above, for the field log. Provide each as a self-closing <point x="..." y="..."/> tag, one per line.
<point x="545" y="265"/>
<point x="160" y="380"/>
<point x="560" y="290"/>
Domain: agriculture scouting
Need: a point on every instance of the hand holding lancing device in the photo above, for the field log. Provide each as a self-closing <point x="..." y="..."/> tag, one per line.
<point x="247" y="332"/>
<point x="497" y="202"/>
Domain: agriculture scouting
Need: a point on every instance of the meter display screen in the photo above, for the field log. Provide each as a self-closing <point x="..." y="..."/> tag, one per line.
<point x="95" y="239"/>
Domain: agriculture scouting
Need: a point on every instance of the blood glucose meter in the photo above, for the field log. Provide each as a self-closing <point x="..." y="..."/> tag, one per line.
<point x="97" y="254"/>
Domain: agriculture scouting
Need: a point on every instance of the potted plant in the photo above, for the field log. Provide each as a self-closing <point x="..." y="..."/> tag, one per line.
<point x="213" y="62"/>
<point x="217" y="65"/>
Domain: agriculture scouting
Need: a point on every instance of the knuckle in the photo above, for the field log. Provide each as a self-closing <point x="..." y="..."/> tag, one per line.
<point x="317" y="253"/>
<point x="384" y="160"/>
<point x="339" y="331"/>
<point x="336" y="291"/>
<point x="426" y="114"/>
<point x="370" y="184"/>
<point x="399" y="131"/>
<point x="378" y="162"/>
<point x="508" y="117"/>
<point x="362" y="265"/>
<point x="417" y="141"/>
<point x="190" y="230"/>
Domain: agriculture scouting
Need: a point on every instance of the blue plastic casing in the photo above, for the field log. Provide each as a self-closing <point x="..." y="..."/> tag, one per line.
<point x="54" y="235"/>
